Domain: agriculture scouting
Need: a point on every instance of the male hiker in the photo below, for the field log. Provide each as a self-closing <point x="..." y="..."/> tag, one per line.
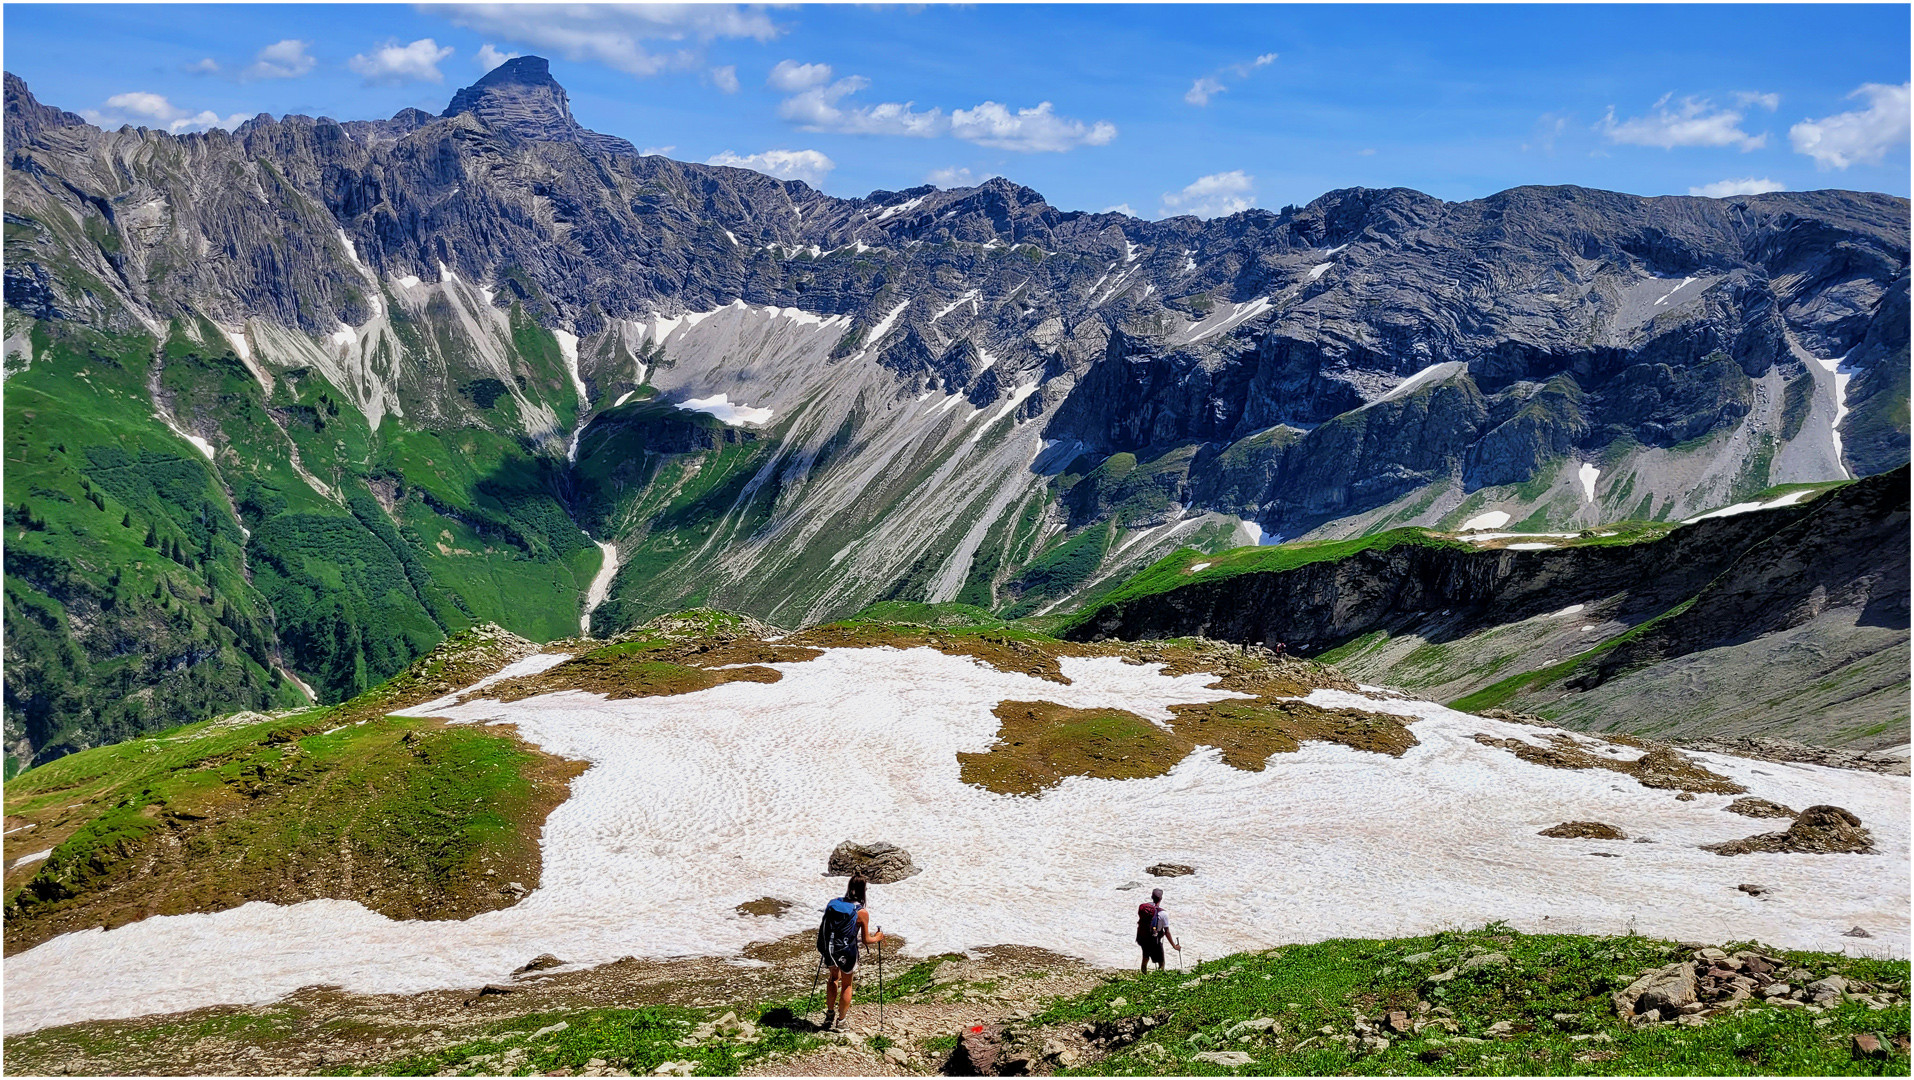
<point x="1152" y="928"/>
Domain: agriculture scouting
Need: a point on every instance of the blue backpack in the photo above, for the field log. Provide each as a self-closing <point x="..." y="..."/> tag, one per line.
<point x="837" y="935"/>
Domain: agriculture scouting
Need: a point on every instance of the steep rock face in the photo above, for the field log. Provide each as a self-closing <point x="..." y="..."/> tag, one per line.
<point x="430" y="317"/>
<point x="520" y="96"/>
<point x="1790" y="621"/>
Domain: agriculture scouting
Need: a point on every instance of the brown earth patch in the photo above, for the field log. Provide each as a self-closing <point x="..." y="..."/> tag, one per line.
<point x="763" y="906"/>
<point x="1662" y="767"/>
<point x="1041" y="743"/>
<point x="1004" y="650"/>
<point x="385" y="826"/>
<point x="625" y="675"/>
<point x="1248" y="732"/>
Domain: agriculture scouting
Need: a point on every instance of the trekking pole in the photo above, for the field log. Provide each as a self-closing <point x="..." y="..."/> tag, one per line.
<point x="815" y="976"/>
<point x="880" y="984"/>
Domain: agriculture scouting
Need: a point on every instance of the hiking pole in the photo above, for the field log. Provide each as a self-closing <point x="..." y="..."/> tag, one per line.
<point x="880" y="984"/>
<point x="815" y="976"/>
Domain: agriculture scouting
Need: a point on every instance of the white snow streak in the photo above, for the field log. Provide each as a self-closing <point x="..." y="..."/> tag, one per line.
<point x="1842" y="376"/>
<point x="600" y="585"/>
<point x="1016" y="398"/>
<point x="1685" y="282"/>
<point x="971" y="297"/>
<point x="1789" y="499"/>
<point x="1218" y="323"/>
<point x="720" y="406"/>
<point x="1494" y="519"/>
<point x="1431" y="374"/>
<point x="1319" y="270"/>
<point x="33" y="858"/>
<point x="743" y="788"/>
<point x="1588" y="474"/>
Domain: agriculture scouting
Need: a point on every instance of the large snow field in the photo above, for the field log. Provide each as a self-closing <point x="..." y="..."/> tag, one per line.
<point x="696" y="803"/>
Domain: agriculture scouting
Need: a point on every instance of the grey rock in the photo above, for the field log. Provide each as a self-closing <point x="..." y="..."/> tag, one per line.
<point x="1169" y="870"/>
<point x="882" y="863"/>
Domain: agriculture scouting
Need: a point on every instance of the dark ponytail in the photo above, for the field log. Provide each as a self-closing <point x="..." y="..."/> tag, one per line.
<point x="855" y="892"/>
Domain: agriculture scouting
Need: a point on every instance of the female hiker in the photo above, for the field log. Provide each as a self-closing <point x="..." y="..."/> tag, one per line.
<point x="846" y="925"/>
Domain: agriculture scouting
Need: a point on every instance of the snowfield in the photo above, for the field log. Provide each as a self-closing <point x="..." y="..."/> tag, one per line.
<point x="696" y="803"/>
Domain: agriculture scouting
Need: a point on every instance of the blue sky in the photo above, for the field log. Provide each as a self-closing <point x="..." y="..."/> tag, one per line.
<point x="1158" y="109"/>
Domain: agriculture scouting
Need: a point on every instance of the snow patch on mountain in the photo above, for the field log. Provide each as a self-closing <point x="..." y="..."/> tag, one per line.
<point x="721" y="406"/>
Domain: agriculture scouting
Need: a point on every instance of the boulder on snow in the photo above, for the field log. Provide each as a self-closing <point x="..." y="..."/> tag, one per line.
<point x="1818" y="830"/>
<point x="1170" y="869"/>
<point x="1584" y="830"/>
<point x="540" y="963"/>
<point x="1749" y="806"/>
<point x="880" y="863"/>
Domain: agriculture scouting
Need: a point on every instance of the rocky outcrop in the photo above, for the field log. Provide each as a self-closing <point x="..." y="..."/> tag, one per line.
<point x="879" y="863"/>
<point x="1584" y="830"/>
<point x="1768" y="748"/>
<point x="1749" y="806"/>
<point x="1818" y="830"/>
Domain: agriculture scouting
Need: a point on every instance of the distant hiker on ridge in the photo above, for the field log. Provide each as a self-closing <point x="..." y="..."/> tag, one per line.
<point x="1152" y="928"/>
<point x="846" y="925"/>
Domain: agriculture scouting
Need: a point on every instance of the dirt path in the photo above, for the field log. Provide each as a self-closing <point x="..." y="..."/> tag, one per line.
<point x="322" y="1029"/>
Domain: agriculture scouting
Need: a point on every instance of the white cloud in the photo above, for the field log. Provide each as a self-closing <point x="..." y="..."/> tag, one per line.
<point x="656" y="151"/>
<point x="1120" y="208"/>
<point x="206" y="66"/>
<point x="616" y="35"/>
<point x="819" y="105"/>
<point x="1722" y="189"/>
<point x="1695" y="122"/>
<point x="281" y="60"/>
<point x="806" y="165"/>
<point x="1367" y="151"/>
<point x="1243" y="70"/>
<point x="1214" y="195"/>
<point x="956" y="178"/>
<point x="1848" y="138"/>
<point x="791" y="76"/>
<point x="393" y="64"/>
<point x="817" y="109"/>
<point x="1745" y="98"/>
<point x="1202" y="90"/>
<point x="144" y="109"/>
<point x="725" y="78"/>
<point x="1207" y="87"/>
<point x="489" y="57"/>
<point x="1027" y="130"/>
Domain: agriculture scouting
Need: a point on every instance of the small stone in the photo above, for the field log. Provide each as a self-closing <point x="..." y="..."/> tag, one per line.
<point x="1418" y="958"/>
<point x="1868" y="1047"/>
<point x="1752" y="890"/>
<point x="1501" y="1027"/>
<point x="1584" y="830"/>
<point x="1224" y="1057"/>
<point x="1686" y="796"/>
<point x="1711" y="954"/>
<point x="1166" y="869"/>
<point x="1118" y="1003"/>
<point x="1492" y="959"/>
<point x="1856" y="932"/>
<point x="1398" y="1022"/>
<point x="897" y="1054"/>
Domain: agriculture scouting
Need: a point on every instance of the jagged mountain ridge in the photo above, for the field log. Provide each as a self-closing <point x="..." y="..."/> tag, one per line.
<point x="971" y="394"/>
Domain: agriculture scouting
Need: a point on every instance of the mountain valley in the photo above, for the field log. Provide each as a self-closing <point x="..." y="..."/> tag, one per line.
<point x="289" y="405"/>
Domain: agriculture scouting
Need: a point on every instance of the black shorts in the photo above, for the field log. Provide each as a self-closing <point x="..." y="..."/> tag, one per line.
<point x="1152" y="948"/>
<point x="845" y="961"/>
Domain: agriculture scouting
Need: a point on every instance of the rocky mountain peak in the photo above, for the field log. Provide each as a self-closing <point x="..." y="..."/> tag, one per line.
<point x="521" y="97"/>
